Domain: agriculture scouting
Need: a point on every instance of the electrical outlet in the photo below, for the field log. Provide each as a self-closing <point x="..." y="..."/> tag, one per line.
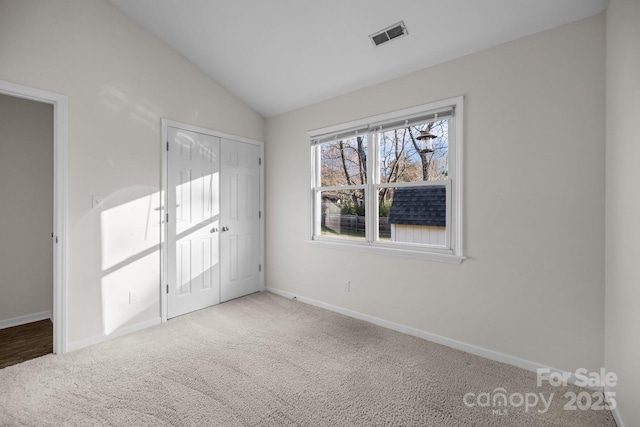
<point x="347" y="286"/>
<point x="133" y="297"/>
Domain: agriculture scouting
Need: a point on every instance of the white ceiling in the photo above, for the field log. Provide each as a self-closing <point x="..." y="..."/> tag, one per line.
<point x="278" y="55"/>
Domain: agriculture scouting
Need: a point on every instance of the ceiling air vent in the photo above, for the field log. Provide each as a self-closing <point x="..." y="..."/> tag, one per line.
<point x="388" y="34"/>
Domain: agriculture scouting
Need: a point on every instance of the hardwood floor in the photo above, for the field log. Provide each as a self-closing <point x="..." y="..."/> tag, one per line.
<point x="25" y="342"/>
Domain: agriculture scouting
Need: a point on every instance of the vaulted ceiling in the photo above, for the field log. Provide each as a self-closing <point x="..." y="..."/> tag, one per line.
<point x="279" y="55"/>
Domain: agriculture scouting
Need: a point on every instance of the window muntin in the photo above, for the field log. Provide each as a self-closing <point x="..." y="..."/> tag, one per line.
<point x="358" y="171"/>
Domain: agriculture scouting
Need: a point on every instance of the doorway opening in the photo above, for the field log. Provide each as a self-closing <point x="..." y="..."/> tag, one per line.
<point x="55" y="227"/>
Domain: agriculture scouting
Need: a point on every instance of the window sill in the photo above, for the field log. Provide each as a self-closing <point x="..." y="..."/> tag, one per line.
<point x="381" y="250"/>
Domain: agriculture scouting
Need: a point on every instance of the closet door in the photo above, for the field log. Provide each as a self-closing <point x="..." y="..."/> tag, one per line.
<point x="240" y="219"/>
<point x="193" y="208"/>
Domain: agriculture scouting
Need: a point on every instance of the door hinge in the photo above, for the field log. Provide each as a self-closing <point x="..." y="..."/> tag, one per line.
<point x="259" y="267"/>
<point x="259" y="214"/>
<point x="167" y="288"/>
<point x="259" y="160"/>
<point x="166" y="217"/>
<point x="167" y="145"/>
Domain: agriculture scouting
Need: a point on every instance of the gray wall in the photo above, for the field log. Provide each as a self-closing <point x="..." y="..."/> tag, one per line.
<point x="533" y="284"/>
<point x="26" y="201"/>
<point x="622" y="350"/>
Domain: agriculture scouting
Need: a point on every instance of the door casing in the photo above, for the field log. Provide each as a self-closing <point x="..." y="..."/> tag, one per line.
<point x="59" y="221"/>
<point x="166" y="123"/>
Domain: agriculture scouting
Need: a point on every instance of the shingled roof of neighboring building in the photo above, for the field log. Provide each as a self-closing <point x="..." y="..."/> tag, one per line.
<point x="419" y="206"/>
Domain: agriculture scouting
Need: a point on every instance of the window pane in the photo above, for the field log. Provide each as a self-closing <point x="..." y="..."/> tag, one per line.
<point x="415" y="153"/>
<point x="342" y="213"/>
<point x="344" y="162"/>
<point x="416" y="215"/>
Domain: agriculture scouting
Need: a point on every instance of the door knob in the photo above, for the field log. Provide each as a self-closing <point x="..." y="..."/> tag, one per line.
<point x="225" y="228"/>
<point x="214" y="230"/>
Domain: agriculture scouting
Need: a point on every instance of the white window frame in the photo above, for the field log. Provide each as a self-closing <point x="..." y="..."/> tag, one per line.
<point x="453" y="250"/>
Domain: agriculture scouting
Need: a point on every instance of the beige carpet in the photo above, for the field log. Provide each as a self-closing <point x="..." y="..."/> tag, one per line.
<point x="263" y="360"/>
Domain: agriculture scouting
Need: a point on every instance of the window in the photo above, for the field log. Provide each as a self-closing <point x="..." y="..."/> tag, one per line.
<point x="391" y="183"/>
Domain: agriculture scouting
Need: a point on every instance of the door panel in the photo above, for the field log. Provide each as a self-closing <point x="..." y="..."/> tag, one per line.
<point x="240" y="205"/>
<point x="193" y="267"/>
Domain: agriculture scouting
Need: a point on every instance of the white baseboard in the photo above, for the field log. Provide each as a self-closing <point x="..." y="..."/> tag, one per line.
<point x="117" y="333"/>
<point x="616" y="414"/>
<point x="616" y="417"/>
<point x="23" y="320"/>
<point x="458" y="345"/>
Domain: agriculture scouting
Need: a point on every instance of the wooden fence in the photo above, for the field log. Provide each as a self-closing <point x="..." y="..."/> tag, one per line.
<point x="353" y="224"/>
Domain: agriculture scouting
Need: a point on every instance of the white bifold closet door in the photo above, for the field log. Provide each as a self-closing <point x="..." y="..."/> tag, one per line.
<point x="239" y="213"/>
<point x="213" y="223"/>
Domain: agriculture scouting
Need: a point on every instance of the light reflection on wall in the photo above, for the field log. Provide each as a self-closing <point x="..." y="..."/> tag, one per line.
<point x="130" y="237"/>
<point x="141" y="276"/>
<point x="119" y="97"/>
<point x="129" y="229"/>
